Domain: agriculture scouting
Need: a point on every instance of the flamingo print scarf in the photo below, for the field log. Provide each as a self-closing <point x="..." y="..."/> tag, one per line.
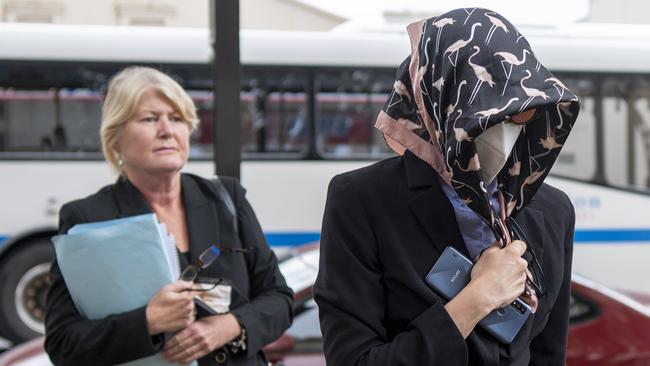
<point x="469" y="70"/>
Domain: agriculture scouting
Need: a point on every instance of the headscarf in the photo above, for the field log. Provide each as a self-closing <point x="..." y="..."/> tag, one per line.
<point x="469" y="70"/>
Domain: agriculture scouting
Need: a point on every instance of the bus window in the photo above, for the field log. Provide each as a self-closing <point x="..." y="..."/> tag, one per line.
<point x="626" y="112"/>
<point x="642" y="141"/>
<point x="274" y="118"/>
<point x="40" y="121"/>
<point x="615" y="116"/>
<point x="80" y="118"/>
<point x="578" y="156"/>
<point x="27" y="121"/>
<point x="201" y="138"/>
<point x="347" y="105"/>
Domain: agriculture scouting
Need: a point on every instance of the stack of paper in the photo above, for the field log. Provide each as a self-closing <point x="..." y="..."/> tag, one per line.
<point x="118" y="265"/>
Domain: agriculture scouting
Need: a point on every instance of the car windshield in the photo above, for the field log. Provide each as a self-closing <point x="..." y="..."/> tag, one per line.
<point x="300" y="268"/>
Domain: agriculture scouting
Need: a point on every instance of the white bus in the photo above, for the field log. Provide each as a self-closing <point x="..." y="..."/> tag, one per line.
<point x="309" y="101"/>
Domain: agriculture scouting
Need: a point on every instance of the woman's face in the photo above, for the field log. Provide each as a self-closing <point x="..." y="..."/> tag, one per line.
<point x="156" y="139"/>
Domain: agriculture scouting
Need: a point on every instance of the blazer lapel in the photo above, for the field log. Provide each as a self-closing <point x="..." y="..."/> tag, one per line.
<point x="200" y="211"/>
<point x="130" y="202"/>
<point x="430" y="205"/>
<point x="201" y="217"/>
<point x="436" y="215"/>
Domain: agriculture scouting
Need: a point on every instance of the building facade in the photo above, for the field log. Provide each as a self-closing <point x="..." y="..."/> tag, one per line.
<point x="254" y="14"/>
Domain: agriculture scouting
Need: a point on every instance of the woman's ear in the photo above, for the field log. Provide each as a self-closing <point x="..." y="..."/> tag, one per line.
<point x="116" y="147"/>
<point x="524" y="116"/>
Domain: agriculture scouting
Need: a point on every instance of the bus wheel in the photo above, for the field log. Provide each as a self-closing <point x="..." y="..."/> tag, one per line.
<point x="24" y="283"/>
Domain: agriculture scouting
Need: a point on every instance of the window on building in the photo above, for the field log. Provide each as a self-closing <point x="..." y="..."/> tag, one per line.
<point x="144" y="12"/>
<point x="32" y="11"/>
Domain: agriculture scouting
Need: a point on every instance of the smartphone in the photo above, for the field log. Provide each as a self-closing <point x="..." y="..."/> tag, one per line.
<point x="452" y="272"/>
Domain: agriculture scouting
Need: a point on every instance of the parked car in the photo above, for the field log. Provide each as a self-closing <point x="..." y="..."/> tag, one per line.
<point x="607" y="327"/>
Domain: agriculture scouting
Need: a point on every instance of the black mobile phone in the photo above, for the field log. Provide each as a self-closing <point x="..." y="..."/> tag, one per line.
<point x="451" y="273"/>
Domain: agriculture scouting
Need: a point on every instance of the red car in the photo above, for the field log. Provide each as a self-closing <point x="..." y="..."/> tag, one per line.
<point x="606" y="327"/>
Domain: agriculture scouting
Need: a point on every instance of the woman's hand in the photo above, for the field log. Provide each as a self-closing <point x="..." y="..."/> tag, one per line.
<point x="500" y="273"/>
<point x="171" y="309"/>
<point x="201" y="338"/>
<point x="498" y="277"/>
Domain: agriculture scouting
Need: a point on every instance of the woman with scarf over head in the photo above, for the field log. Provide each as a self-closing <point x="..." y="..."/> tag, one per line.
<point x="477" y="123"/>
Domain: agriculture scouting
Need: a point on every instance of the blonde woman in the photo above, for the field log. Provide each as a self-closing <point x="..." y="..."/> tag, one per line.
<point x="147" y="121"/>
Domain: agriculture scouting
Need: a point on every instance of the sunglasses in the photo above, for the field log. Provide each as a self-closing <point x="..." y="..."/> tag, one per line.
<point x="538" y="282"/>
<point x="206" y="259"/>
<point x="212" y="284"/>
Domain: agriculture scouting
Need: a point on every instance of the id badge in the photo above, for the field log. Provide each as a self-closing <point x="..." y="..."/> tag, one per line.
<point x="217" y="297"/>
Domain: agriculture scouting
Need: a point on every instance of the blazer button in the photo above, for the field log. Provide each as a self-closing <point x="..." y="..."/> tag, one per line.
<point x="221" y="356"/>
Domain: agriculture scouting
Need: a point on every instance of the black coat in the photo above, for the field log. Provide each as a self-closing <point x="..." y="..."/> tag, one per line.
<point x="384" y="227"/>
<point x="265" y="311"/>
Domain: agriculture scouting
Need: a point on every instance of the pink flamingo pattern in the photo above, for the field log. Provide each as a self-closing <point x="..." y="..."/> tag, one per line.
<point x="496" y="23"/>
<point x="438" y="84"/>
<point x="472" y="166"/>
<point x="532" y="93"/>
<point x="511" y="60"/>
<point x="516" y="80"/>
<point x="482" y="75"/>
<point x="492" y="111"/>
<point x="440" y="24"/>
<point x="469" y="14"/>
<point x="400" y="93"/>
<point x="455" y="48"/>
<point x="459" y="133"/>
<point x="559" y="86"/>
<point x="530" y="179"/>
<point x="549" y="142"/>
<point x="451" y="107"/>
<point x="401" y="89"/>
<point x="422" y="70"/>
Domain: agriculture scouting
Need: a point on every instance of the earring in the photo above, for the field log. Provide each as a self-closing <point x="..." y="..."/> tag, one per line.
<point x="120" y="161"/>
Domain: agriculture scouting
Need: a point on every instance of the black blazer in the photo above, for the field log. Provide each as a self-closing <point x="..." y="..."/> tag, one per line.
<point x="384" y="227"/>
<point x="265" y="312"/>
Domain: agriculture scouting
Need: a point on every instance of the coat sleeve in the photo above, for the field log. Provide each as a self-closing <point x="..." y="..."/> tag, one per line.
<point x="268" y="313"/>
<point x="549" y="347"/>
<point x="71" y="339"/>
<point x="350" y="297"/>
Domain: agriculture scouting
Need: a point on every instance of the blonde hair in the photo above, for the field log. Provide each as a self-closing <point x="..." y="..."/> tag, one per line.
<point x="124" y="94"/>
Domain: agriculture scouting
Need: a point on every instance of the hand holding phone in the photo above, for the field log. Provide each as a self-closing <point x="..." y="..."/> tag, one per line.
<point x="452" y="272"/>
<point x="501" y="272"/>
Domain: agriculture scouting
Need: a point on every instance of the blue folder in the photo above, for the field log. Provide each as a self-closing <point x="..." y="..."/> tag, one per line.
<point x="115" y="266"/>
